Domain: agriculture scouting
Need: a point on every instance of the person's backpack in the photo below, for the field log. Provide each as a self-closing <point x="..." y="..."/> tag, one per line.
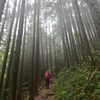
<point x="47" y="76"/>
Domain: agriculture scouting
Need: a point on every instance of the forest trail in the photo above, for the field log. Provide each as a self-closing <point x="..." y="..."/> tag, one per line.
<point x="47" y="94"/>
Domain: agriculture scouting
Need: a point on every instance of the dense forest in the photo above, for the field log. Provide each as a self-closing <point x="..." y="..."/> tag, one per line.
<point x="62" y="36"/>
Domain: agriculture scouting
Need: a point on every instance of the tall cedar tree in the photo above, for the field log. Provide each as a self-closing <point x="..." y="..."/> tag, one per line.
<point x="7" y="48"/>
<point x="87" y="47"/>
<point x="31" y="91"/>
<point x="94" y="7"/>
<point x="19" y="97"/>
<point x="36" y="60"/>
<point x="5" y="93"/>
<point x="15" y="63"/>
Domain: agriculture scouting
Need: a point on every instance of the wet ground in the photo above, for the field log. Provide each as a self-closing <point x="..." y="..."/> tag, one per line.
<point x="47" y="94"/>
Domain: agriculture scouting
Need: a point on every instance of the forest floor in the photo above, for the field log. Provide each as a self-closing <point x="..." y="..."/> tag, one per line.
<point x="47" y="94"/>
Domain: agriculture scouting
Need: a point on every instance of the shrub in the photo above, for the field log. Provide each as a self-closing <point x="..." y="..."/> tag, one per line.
<point x="79" y="84"/>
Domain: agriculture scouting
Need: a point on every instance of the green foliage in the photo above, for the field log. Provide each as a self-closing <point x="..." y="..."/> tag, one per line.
<point x="96" y="56"/>
<point x="78" y="84"/>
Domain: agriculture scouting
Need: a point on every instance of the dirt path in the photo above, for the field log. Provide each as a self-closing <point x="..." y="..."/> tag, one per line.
<point x="47" y="94"/>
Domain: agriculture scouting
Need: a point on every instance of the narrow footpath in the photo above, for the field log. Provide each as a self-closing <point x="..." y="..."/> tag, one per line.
<point x="47" y="94"/>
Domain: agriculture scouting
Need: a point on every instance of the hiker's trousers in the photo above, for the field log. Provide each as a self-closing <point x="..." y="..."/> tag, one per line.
<point x="47" y="83"/>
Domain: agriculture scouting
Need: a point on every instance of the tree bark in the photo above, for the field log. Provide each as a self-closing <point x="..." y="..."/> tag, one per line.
<point x="15" y="62"/>
<point x="7" y="48"/>
<point x="19" y="97"/>
<point x="31" y="86"/>
<point x="87" y="48"/>
<point x="37" y="54"/>
<point x="2" y="3"/>
<point x="10" y="59"/>
<point x="94" y="7"/>
<point x="3" y="24"/>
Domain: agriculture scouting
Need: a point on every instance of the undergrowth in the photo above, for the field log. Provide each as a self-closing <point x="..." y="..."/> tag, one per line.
<point x="80" y="84"/>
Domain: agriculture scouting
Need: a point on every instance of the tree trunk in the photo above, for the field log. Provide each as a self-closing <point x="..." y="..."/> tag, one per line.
<point x="19" y="97"/>
<point x="87" y="48"/>
<point x="31" y="87"/>
<point x="37" y="54"/>
<point x="50" y="55"/>
<point x="10" y="59"/>
<point x="94" y="7"/>
<point x="7" y="48"/>
<point x="15" y="62"/>
<point x="3" y="24"/>
<point x="2" y="3"/>
<point x="61" y="14"/>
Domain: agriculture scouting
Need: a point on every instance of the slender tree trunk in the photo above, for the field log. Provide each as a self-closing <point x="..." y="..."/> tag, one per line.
<point x="46" y="49"/>
<point x="42" y="50"/>
<point x="37" y="51"/>
<point x="15" y="63"/>
<point x="2" y="3"/>
<point x="87" y="26"/>
<point x="31" y="87"/>
<point x="87" y="48"/>
<point x="3" y="24"/>
<point x="69" y="60"/>
<point x="7" y="48"/>
<point x="79" y="34"/>
<point x="50" y="55"/>
<point x="55" y="55"/>
<point x="71" y="37"/>
<point x="65" y="49"/>
<point x="19" y="97"/>
<point x="10" y="59"/>
<point x="76" y="35"/>
<point x="94" y="7"/>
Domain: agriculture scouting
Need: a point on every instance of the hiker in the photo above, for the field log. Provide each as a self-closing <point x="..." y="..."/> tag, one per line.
<point x="47" y="77"/>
